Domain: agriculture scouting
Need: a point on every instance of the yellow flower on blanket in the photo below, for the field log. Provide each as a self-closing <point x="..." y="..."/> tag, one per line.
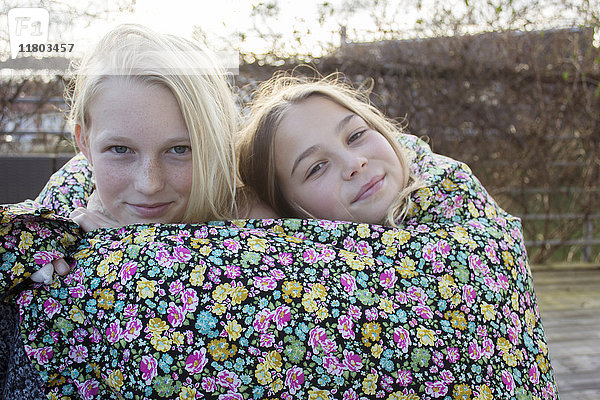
<point x="490" y="212"/>
<point x="370" y="384"/>
<point x="156" y="326"/>
<point x="17" y="269"/>
<point x="146" y="288"/>
<point x="363" y="231"/>
<point x="509" y="261"/>
<point x="115" y="257"/>
<point x="233" y="329"/>
<point x="115" y="379"/>
<point x="426" y="336"/>
<point x="488" y="311"/>
<point x="388" y="237"/>
<point x="262" y="374"/>
<point x="542" y="362"/>
<point x="76" y="315"/>
<point x="197" y="275"/>
<point x="221" y="292"/>
<point x="356" y="264"/>
<point x="273" y="360"/>
<point x="161" y="343"/>
<point x="391" y="251"/>
<point x="457" y="319"/>
<point x="83" y="253"/>
<point x="26" y="240"/>
<point x="178" y="338"/>
<point x="67" y="239"/>
<point x="446" y="285"/>
<point x="219" y="309"/>
<point x="403" y="237"/>
<point x="460" y="234"/>
<point x="403" y="396"/>
<point x="376" y="350"/>
<point x="473" y="210"/>
<point x="514" y="301"/>
<point x="187" y="393"/>
<point x="406" y="269"/>
<point x="205" y="250"/>
<point x="277" y="385"/>
<point x="238" y="294"/>
<point x="105" y="298"/>
<point x="371" y="331"/>
<point x="485" y="393"/>
<point x="387" y="305"/>
<point x="424" y="198"/>
<point x="462" y="391"/>
<point x="145" y="235"/>
<point x="4" y="229"/>
<point x="322" y="313"/>
<point x="318" y="394"/>
<point x="292" y="288"/>
<point x="530" y="320"/>
<point x="318" y="291"/>
<point x="448" y="185"/>
<point x="257" y="244"/>
<point x="197" y="242"/>
<point x="102" y="269"/>
<point x="309" y="303"/>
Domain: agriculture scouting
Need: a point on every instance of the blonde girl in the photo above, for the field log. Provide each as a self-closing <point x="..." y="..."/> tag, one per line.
<point x="155" y="118"/>
<point x="317" y="148"/>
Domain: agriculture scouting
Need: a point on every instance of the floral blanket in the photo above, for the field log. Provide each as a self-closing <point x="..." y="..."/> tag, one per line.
<point x="441" y="308"/>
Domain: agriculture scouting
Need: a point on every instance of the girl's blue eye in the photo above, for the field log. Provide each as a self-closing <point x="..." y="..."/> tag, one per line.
<point x="355" y="136"/>
<point x="120" y="149"/>
<point x="180" y="149"/>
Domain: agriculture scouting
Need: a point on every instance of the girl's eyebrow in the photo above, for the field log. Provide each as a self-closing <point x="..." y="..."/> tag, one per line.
<point x="340" y="126"/>
<point x="116" y="137"/>
<point x="302" y="156"/>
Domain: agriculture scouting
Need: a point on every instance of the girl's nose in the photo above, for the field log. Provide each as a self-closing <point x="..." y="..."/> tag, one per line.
<point x="353" y="165"/>
<point x="149" y="178"/>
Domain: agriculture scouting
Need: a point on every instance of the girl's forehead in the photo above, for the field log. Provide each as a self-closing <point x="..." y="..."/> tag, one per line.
<point x="316" y="110"/>
<point x="137" y="110"/>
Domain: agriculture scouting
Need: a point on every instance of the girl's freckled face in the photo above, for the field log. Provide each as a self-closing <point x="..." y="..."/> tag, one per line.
<point x="332" y="165"/>
<point x="139" y="148"/>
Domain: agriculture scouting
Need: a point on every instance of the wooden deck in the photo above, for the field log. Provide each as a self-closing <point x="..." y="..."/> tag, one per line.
<point x="569" y="299"/>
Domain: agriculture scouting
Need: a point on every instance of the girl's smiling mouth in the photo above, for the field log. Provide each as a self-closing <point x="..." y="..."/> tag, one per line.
<point x="153" y="210"/>
<point x="369" y="188"/>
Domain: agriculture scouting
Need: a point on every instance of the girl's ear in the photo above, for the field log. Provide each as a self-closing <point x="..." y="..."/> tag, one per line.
<point x="82" y="142"/>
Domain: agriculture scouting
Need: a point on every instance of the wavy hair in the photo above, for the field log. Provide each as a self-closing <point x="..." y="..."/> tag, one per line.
<point x="272" y="101"/>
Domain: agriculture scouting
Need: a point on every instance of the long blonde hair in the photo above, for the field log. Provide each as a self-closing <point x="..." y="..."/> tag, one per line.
<point x="273" y="100"/>
<point x="191" y="73"/>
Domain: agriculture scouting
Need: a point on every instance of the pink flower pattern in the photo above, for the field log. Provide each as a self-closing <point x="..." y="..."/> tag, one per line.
<point x="291" y="317"/>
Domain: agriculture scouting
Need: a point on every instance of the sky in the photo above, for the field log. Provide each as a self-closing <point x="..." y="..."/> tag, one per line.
<point x="223" y="18"/>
